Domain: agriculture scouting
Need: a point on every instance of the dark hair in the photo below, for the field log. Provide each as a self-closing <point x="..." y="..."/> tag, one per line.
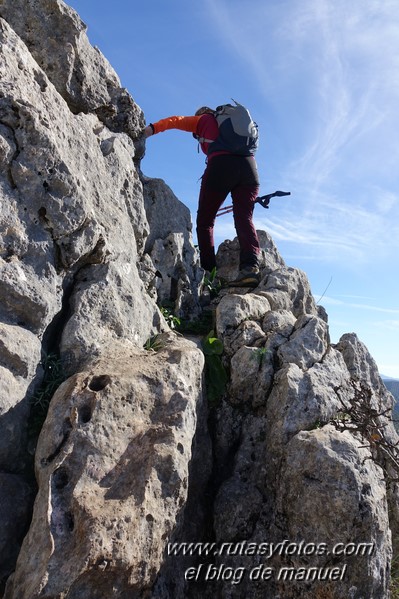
<point x="204" y="110"/>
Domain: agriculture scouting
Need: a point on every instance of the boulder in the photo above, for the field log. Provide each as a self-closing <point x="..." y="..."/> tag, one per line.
<point x="331" y="492"/>
<point x="228" y="257"/>
<point x="112" y="465"/>
<point x="79" y="72"/>
<point x="170" y="246"/>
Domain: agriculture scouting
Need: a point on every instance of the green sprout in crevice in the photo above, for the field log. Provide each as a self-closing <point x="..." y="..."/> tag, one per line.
<point x="212" y="283"/>
<point x="172" y="321"/>
<point x="154" y="344"/>
<point x="215" y="372"/>
<point x="53" y="376"/>
<point x="260" y="354"/>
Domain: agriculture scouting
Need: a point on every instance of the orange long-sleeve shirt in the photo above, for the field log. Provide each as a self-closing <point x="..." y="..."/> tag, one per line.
<point x="184" y="123"/>
<point x="204" y="126"/>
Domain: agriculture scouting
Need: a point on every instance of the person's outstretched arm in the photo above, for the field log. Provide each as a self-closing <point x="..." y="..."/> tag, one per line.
<point x="184" y="123"/>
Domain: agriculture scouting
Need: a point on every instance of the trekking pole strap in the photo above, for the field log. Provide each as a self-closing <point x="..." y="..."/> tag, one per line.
<point x="265" y="200"/>
<point x="262" y="200"/>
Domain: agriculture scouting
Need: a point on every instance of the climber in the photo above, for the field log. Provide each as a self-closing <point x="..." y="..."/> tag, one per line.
<point x="230" y="168"/>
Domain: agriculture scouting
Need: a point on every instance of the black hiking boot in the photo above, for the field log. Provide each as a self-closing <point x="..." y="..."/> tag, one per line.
<point x="247" y="277"/>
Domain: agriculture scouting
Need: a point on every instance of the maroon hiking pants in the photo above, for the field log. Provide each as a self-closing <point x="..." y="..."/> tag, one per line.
<point x="224" y="174"/>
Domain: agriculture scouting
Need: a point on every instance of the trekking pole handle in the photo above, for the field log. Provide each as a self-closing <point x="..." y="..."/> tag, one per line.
<point x="265" y="200"/>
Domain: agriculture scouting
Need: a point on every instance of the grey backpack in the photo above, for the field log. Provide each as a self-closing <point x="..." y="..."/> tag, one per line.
<point x="238" y="133"/>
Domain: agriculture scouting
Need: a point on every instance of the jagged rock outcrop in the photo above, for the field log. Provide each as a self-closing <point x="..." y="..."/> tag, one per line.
<point x="79" y="72"/>
<point x="170" y="246"/>
<point x="113" y="472"/>
<point x="73" y="224"/>
<point x="287" y="477"/>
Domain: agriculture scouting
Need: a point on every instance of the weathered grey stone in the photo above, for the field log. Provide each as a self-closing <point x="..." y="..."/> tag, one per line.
<point x="288" y="289"/>
<point x="228" y="257"/>
<point x="233" y="309"/>
<point x="247" y="333"/>
<point x="332" y="492"/>
<point x="14" y="412"/>
<point x="307" y="344"/>
<point x="305" y="400"/>
<point x="7" y="147"/>
<point x="112" y="465"/>
<point x="244" y="365"/>
<point x="88" y="207"/>
<point x="124" y="459"/>
<point x="79" y="72"/>
<point x="364" y="372"/>
<point x="171" y="249"/>
<point x="362" y="367"/>
<point x="279" y="321"/>
<point x="72" y="216"/>
<point x="237" y="507"/>
<point x="27" y="299"/>
<point x="148" y="275"/>
<point x="108" y="303"/>
<point x="19" y="350"/>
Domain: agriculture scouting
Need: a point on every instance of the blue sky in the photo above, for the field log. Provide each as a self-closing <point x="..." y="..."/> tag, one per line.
<point x="321" y="78"/>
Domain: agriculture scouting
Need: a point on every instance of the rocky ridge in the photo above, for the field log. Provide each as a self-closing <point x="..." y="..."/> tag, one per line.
<point x="131" y="456"/>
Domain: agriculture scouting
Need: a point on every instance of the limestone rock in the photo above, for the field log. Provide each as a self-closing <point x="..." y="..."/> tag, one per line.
<point x="228" y="257"/>
<point x="281" y="322"/>
<point x="248" y="333"/>
<point x="233" y="309"/>
<point x="19" y="350"/>
<point x="303" y="401"/>
<point x="79" y="71"/>
<point x="108" y="302"/>
<point x="82" y="207"/>
<point x="72" y="217"/>
<point x="288" y="289"/>
<point x="286" y="386"/>
<point x="364" y="371"/>
<point x="307" y="344"/>
<point x="171" y="249"/>
<point x="113" y="470"/>
<point x="327" y="473"/>
<point x="362" y="367"/>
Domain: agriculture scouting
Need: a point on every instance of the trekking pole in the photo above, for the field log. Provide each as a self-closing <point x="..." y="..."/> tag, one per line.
<point x="264" y="201"/>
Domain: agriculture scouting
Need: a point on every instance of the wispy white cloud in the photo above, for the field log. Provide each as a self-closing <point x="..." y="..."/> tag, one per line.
<point x="330" y="301"/>
<point x="356" y="94"/>
<point x="342" y="57"/>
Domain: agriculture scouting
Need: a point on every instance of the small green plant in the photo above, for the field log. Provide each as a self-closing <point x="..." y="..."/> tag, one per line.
<point x="172" y="320"/>
<point x="154" y="344"/>
<point x="394" y="588"/>
<point x="199" y="326"/>
<point x="212" y="283"/>
<point x="260" y="354"/>
<point x="52" y="379"/>
<point x="215" y="372"/>
<point x="53" y="376"/>
<point x="316" y="425"/>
